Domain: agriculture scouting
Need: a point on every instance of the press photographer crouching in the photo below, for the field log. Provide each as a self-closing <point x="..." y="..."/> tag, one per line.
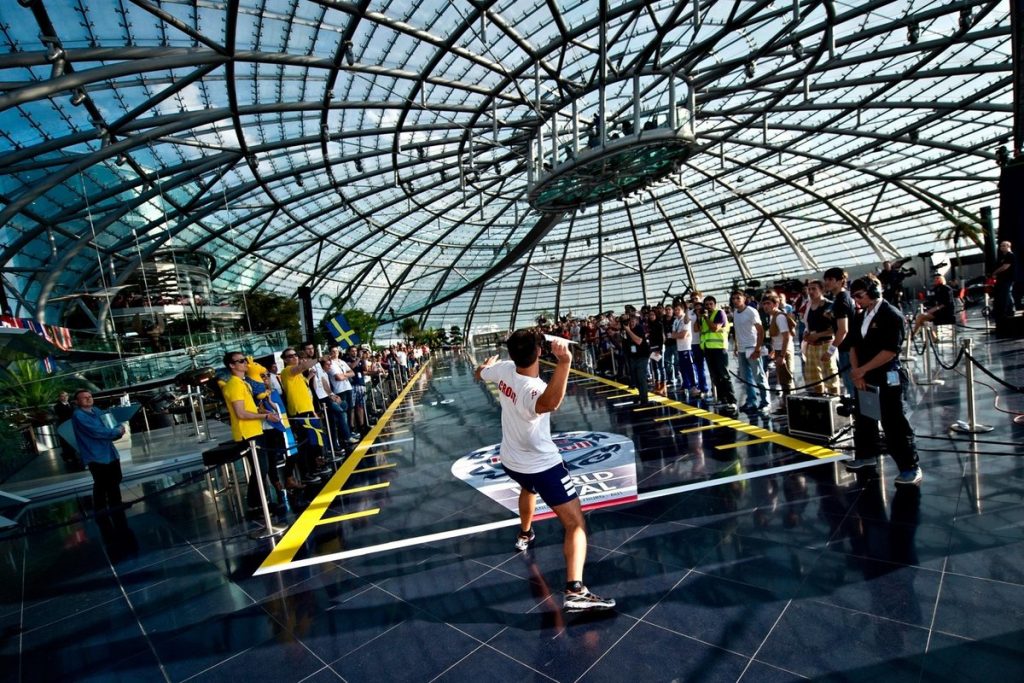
<point x="882" y="384"/>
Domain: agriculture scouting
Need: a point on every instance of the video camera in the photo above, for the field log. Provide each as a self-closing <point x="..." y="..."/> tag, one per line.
<point x="847" y="406"/>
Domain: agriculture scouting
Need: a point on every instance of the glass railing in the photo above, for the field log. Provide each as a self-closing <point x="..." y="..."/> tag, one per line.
<point x="131" y="370"/>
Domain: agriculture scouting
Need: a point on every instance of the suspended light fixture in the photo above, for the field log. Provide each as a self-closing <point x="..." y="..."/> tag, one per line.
<point x="78" y="96"/>
<point x="966" y="18"/>
<point x="913" y="33"/>
<point x="350" y="57"/>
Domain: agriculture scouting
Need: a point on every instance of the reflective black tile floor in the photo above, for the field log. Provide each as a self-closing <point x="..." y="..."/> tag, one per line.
<point x="776" y="566"/>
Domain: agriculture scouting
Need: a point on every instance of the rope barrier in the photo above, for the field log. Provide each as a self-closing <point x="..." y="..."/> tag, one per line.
<point x="977" y="364"/>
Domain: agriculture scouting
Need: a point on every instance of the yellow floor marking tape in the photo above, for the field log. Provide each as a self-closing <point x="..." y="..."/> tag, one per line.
<point x="375" y="467"/>
<point x="669" y="418"/>
<point x="628" y="394"/>
<point x="813" y="450"/>
<point x="393" y="450"/>
<point x="740" y="444"/>
<point x="312" y="516"/>
<point x="703" y="428"/>
<point x="350" y="515"/>
<point x="368" y="487"/>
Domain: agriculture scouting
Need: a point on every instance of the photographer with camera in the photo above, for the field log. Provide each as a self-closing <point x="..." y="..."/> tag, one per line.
<point x="637" y="347"/>
<point x="875" y="340"/>
<point x="892" y="276"/>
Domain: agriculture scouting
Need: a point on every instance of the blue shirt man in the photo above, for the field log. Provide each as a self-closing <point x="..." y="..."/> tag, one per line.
<point x="96" y="436"/>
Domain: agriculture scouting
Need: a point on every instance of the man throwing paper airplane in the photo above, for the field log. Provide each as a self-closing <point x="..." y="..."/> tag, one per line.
<point x="531" y="458"/>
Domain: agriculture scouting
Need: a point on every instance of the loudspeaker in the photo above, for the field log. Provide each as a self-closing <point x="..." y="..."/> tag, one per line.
<point x="814" y="417"/>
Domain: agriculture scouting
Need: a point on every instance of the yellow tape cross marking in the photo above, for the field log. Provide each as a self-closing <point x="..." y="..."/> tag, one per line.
<point x="350" y="515"/>
<point x="360" y="489"/>
<point x="741" y="444"/>
<point x="812" y="450"/>
<point x="703" y="428"/>
<point x="393" y="450"/>
<point x="375" y="467"/>
<point x="672" y="417"/>
<point x="312" y="516"/>
<point x="628" y="394"/>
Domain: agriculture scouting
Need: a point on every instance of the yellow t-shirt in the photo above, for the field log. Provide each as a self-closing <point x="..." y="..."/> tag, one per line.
<point x="236" y="389"/>
<point x="297" y="397"/>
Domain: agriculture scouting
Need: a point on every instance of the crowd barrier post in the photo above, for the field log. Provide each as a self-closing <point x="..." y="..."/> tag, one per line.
<point x="971" y="426"/>
<point x="330" y="437"/>
<point x="926" y="365"/>
<point x="202" y="413"/>
<point x="270" y="530"/>
<point x="908" y="351"/>
<point x="192" y="409"/>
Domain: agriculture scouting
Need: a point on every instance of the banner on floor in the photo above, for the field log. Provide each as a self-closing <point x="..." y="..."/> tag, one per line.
<point x="602" y="466"/>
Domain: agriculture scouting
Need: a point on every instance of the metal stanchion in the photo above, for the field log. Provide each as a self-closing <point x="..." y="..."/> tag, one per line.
<point x="192" y="409"/>
<point x="926" y="364"/>
<point x="971" y="426"/>
<point x="202" y="413"/>
<point x="145" y="419"/>
<point x="908" y="350"/>
<point x="270" y="529"/>
<point x="330" y="437"/>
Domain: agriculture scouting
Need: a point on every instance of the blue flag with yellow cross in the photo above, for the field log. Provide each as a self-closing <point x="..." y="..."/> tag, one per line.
<point x="340" y="331"/>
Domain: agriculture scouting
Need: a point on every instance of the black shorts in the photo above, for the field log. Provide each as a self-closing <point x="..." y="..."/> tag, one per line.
<point x="553" y="485"/>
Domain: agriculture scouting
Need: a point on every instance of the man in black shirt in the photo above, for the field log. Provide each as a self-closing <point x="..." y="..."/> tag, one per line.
<point x="834" y="280"/>
<point x="1004" y="273"/>
<point x="940" y="309"/>
<point x="875" y="340"/>
<point x="637" y="349"/>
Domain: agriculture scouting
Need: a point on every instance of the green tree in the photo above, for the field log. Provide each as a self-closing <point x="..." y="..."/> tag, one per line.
<point x="25" y="385"/>
<point x="455" y="336"/>
<point x="409" y="328"/>
<point x="268" y="311"/>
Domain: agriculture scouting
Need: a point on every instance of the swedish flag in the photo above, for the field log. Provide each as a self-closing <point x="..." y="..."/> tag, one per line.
<point x="313" y="427"/>
<point x="341" y="332"/>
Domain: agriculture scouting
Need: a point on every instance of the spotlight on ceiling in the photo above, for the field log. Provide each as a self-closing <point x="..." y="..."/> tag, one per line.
<point x="359" y="165"/>
<point x="350" y="57"/>
<point x="750" y="68"/>
<point x="966" y="18"/>
<point x="913" y="33"/>
<point x="77" y="96"/>
<point x="299" y="181"/>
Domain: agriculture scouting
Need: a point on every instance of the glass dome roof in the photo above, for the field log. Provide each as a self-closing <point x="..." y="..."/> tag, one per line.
<point x="382" y="154"/>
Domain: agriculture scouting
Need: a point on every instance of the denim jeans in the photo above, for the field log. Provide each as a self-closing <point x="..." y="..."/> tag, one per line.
<point x="752" y="374"/>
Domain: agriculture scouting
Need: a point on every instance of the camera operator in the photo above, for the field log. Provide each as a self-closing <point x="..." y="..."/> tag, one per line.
<point x="892" y="276"/>
<point x="875" y="340"/>
<point x="637" y="351"/>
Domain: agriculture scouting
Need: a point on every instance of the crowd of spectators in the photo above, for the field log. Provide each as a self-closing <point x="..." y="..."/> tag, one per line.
<point x="677" y="347"/>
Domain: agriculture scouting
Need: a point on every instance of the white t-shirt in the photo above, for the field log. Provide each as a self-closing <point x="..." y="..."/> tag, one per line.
<point x="340" y="367"/>
<point x="319" y="375"/>
<point x="783" y="325"/>
<point x="680" y="325"/>
<point x="745" y="322"/>
<point x="526" y="444"/>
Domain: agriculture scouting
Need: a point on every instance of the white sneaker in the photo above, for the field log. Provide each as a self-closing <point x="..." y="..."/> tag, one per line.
<point x="585" y="601"/>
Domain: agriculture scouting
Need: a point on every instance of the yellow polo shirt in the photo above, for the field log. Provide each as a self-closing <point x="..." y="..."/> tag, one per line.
<point x="297" y="396"/>
<point x="236" y="389"/>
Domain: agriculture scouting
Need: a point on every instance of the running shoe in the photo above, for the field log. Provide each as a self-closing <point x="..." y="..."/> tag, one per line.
<point x="910" y="477"/>
<point x="585" y="601"/>
<point x="525" y="539"/>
